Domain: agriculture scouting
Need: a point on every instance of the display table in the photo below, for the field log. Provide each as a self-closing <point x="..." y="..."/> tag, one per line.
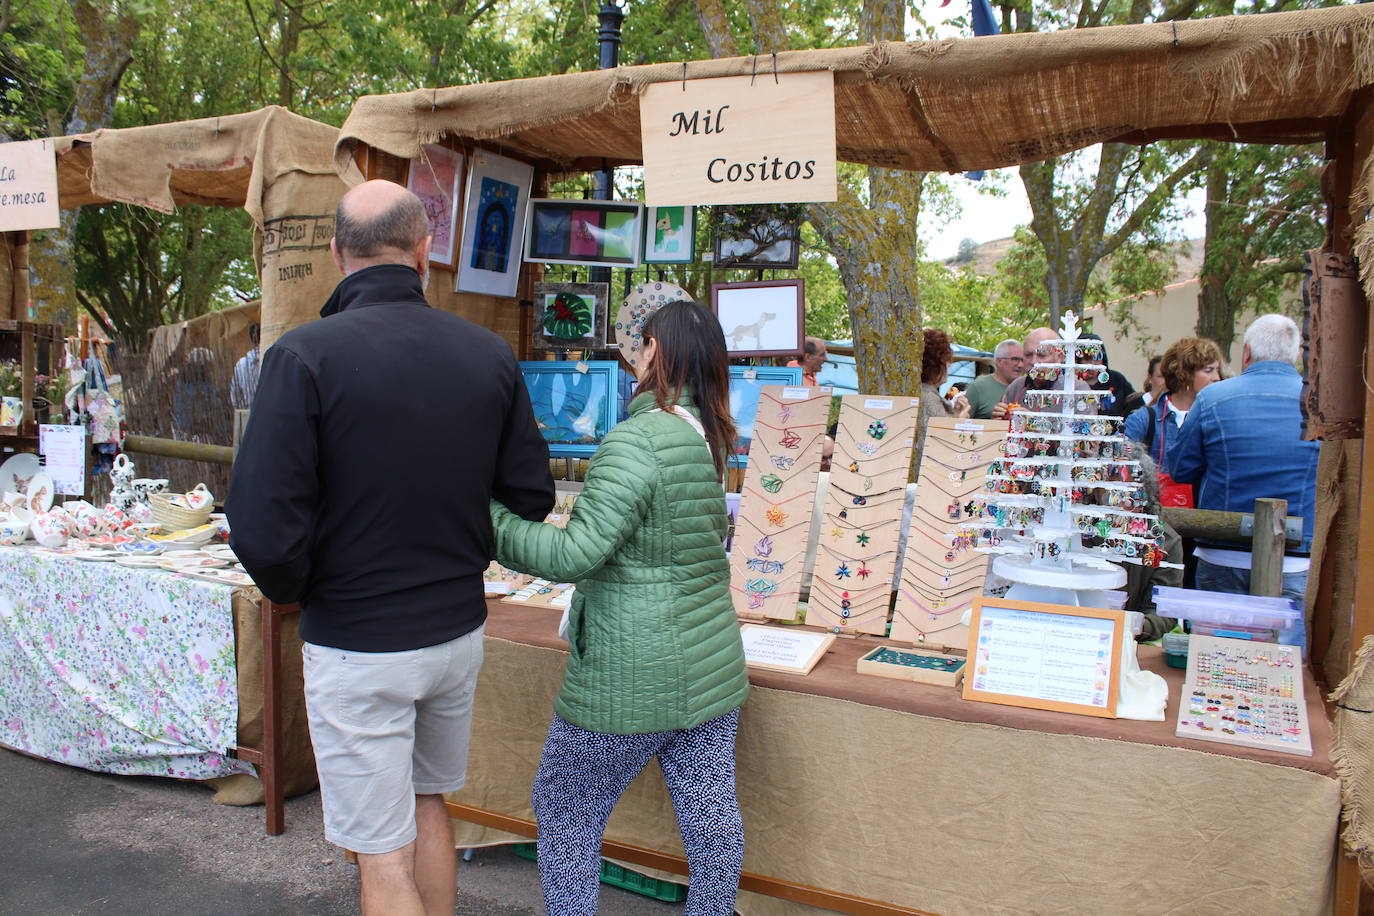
<point x="140" y="672"/>
<point x="909" y="795"/>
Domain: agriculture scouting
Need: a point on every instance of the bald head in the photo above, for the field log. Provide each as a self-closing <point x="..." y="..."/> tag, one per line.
<point x="380" y="222"/>
<point x="1033" y="342"/>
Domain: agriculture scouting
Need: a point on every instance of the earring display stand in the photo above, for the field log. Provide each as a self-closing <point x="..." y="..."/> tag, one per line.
<point x="1246" y="693"/>
<point x="774" y="520"/>
<point x="862" y="520"/>
<point x="938" y="583"/>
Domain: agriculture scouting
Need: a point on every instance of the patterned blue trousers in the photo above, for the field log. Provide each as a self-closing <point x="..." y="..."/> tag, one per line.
<point x="583" y="774"/>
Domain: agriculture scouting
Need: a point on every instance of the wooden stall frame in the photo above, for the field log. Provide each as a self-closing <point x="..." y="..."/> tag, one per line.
<point x="835" y="901"/>
<point x="270" y="758"/>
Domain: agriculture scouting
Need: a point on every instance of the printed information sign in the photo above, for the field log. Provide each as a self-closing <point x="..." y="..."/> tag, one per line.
<point x="1045" y="656"/>
<point x="28" y="185"/>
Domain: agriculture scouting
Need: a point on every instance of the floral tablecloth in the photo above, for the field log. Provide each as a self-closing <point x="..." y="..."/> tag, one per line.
<point x="119" y="670"/>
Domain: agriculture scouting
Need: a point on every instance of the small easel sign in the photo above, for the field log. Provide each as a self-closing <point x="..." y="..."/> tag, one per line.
<point x="777" y="649"/>
<point x="1045" y="656"/>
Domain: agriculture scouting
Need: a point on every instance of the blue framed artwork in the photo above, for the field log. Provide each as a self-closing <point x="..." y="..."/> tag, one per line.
<point x="746" y="383"/>
<point x="574" y="409"/>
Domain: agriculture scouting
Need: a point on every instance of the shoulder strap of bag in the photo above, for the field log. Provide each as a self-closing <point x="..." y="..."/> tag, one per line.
<point x="685" y="414"/>
<point x="1150" y="438"/>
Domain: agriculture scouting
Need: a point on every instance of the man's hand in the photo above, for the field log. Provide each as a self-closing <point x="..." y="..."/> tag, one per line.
<point x="1001" y="410"/>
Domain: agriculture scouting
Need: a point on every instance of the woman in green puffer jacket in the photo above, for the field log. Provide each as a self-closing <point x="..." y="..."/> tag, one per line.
<point x="656" y="666"/>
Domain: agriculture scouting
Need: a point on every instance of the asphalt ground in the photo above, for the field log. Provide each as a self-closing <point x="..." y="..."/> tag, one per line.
<point x="76" y="842"/>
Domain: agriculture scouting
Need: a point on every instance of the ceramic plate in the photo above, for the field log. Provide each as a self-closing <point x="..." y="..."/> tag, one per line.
<point x="190" y="563"/>
<point x="97" y="556"/>
<point x="40" y="493"/>
<point x="138" y="562"/>
<point x="17" y="471"/>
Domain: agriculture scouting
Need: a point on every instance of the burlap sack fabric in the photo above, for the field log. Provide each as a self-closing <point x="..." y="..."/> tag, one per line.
<point x="950" y="105"/>
<point x="275" y="164"/>
<point x="1353" y="755"/>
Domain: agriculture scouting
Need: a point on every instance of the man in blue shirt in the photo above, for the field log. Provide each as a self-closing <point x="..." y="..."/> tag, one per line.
<point x="1243" y="441"/>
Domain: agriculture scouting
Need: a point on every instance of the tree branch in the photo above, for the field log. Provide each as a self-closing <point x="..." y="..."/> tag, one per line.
<point x="1162" y="192"/>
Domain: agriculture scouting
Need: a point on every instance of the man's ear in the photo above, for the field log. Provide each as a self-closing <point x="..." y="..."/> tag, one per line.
<point x="422" y="254"/>
<point x="338" y="258"/>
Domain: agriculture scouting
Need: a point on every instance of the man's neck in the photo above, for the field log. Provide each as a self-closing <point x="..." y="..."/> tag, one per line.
<point x="1004" y="379"/>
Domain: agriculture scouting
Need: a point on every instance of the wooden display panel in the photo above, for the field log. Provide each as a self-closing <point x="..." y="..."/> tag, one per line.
<point x="856" y="553"/>
<point x="938" y="583"/>
<point x="777" y="500"/>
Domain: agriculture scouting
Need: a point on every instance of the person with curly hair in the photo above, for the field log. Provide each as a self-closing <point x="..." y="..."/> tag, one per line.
<point x="1188" y="366"/>
<point x="935" y="362"/>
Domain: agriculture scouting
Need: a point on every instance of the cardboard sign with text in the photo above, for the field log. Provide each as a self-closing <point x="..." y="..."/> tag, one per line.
<point x="739" y="140"/>
<point x="28" y="185"/>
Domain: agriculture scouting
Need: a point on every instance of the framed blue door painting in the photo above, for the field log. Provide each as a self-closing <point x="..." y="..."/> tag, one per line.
<point x="498" y="192"/>
<point x="746" y="384"/>
<point x="573" y="408"/>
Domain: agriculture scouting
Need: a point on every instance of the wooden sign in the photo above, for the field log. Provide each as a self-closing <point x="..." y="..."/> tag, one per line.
<point x="1044" y="656"/>
<point x="793" y="651"/>
<point x="28" y="185"/>
<point x="739" y="140"/>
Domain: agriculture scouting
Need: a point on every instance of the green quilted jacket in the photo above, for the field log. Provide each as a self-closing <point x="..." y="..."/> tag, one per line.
<point x="655" y="643"/>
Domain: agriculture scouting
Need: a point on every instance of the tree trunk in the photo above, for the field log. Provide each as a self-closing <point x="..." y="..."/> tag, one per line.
<point x="1216" y="318"/>
<point x="715" y="26"/>
<point x="107" y="33"/>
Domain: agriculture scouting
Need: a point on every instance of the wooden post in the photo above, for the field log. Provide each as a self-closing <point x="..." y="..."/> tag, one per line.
<point x="19" y="275"/>
<point x="29" y="363"/>
<point x="1266" y="572"/>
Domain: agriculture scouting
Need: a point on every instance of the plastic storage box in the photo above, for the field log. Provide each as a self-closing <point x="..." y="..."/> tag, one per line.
<point x="1176" y="650"/>
<point x="1224" y="610"/>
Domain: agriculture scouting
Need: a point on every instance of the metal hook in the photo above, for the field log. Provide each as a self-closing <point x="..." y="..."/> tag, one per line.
<point x="684" y="76"/>
<point x="753" y="71"/>
<point x="775" y="68"/>
<point x="216" y="127"/>
<point x="1174" y="23"/>
<point x="434" y="101"/>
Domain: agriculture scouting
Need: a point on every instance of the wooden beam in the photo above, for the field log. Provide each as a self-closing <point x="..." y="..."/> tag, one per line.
<point x="1283" y="130"/>
<point x="172" y="448"/>
<point x="834" y="901"/>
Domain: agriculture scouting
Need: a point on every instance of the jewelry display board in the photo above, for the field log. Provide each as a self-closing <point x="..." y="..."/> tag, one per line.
<point x="862" y="520"/>
<point x="776" y="501"/>
<point x="1246" y="693"/>
<point x="940" y="578"/>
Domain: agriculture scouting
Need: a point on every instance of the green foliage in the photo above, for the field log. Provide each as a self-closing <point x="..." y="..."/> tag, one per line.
<point x="38" y="51"/>
<point x="976" y="310"/>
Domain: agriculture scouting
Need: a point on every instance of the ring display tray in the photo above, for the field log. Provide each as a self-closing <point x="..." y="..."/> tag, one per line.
<point x="914" y="665"/>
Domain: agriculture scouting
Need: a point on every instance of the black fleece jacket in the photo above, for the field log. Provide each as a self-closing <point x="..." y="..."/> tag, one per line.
<point x="378" y="436"/>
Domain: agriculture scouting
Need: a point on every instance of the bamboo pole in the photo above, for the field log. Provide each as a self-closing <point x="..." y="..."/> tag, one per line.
<point x="172" y="448"/>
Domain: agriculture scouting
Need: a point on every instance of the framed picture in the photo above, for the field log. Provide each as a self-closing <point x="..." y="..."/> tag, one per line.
<point x="670" y="235"/>
<point x="769" y="243"/>
<point x="746" y="384"/>
<point x="493" y="225"/>
<point x="760" y="318"/>
<point x="570" y="314"/>
<point x="602" y="232"/>
<point x="1044" y="656"/>
<point x="574" y="403"/>
<point x="436" y="179"/>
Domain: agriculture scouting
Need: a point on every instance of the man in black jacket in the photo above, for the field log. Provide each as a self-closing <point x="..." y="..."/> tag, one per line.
<point x="377" y="438"/>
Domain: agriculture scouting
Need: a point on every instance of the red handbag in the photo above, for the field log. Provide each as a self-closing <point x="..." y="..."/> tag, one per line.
<point x="1173" y="494"/>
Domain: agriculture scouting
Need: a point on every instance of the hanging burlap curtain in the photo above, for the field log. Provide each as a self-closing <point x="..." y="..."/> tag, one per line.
<point x="276" y="165"/>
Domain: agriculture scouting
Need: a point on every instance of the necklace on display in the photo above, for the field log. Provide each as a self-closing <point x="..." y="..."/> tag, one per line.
<point x="761" y="530"/>
<point x="773" y="483"/>
<point x="760" y="590"/>
<point x="861" y="500"/>
<point x="767" y="566"/>
<point x="790" y="441"/>
<point x="789" y="438"/>
<point x="871" y="449"/>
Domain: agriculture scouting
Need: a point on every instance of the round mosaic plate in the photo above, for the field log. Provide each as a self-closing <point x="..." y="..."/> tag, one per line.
<point x="642" y="301"/>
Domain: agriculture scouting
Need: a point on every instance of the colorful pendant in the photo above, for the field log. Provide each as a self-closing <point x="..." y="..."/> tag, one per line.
<point x="863" y="538"/>
<point x="877" y="429"/>
<point x="842" y="572"/>
<point x="771" y="482"/>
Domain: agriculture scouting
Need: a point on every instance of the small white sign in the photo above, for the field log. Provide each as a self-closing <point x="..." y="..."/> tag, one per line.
<point x="877" y="403"/>
<point x="796" y="394"/>
<point x="794" y="651"/>
<point x="64" y="452"/>
<point x="28" y="185"/>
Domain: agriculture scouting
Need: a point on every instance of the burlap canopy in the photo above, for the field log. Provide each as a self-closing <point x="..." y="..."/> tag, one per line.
<point x="277" y="165"/>
<point x="952" y="105"/>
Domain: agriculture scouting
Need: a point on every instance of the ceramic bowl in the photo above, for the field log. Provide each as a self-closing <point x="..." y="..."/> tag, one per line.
<point x="49" y="530"/>
<point x="12" y="534"/>
<point x="200" y="497"/>
<point x="21" y="515"/>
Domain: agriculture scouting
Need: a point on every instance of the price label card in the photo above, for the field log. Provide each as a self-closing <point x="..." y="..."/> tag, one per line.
<point x="877" y="403"/>
<point x="64" y="452"/>
<point x="796" y="394"/>
<point x="793" y="651"/>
